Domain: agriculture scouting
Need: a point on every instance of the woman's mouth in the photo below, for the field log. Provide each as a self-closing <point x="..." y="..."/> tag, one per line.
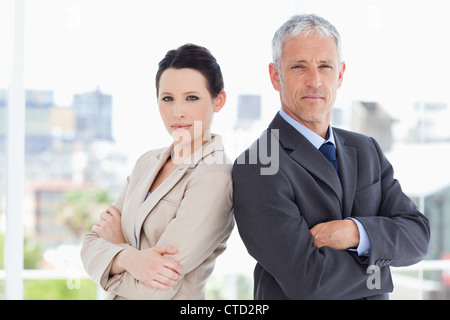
<point x="180" y="126"/>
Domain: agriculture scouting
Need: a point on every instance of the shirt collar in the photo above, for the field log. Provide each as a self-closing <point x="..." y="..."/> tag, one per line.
<point x="312" y="137"/>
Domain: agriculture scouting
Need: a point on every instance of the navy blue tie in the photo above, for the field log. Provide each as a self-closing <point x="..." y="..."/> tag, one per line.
<point x="329" y="151"/>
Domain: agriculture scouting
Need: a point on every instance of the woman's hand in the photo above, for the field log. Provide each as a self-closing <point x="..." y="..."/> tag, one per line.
<point x="149" y="266"/>
<point x="109" y="226"/>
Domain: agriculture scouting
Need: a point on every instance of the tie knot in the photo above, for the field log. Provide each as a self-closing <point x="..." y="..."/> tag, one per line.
<point x="328" y="150"/>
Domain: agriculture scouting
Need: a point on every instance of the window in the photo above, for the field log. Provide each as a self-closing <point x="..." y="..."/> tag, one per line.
<point x="91" y="106"/>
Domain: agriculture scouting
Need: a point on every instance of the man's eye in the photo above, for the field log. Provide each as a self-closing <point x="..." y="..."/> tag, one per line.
<point x="192" y="98"/>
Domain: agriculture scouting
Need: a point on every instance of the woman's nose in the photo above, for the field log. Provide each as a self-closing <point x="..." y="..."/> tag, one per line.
<point x="178" y="111"/>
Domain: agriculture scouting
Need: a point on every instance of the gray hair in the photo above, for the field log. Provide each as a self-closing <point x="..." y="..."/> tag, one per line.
<point x="304" y="24"/>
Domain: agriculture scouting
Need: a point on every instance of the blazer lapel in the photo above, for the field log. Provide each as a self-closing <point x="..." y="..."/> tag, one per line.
<point x="147" y="206"/>
<point x="147" y="176"/>
<point x="348" y="171"/>
<point x="305" y="154"/>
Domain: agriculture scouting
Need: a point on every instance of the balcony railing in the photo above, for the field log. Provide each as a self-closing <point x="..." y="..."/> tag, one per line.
<point x="409" y="279"/>
<point x="412" y="278"/>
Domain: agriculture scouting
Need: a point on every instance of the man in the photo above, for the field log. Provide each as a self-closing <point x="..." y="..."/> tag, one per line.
<point x="319" y="228"/>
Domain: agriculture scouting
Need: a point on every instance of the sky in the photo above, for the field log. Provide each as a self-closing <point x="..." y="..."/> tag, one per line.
<point x="396" y="52"/>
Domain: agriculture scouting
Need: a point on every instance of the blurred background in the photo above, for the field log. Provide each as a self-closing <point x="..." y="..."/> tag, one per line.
<point x="90" y="111"/>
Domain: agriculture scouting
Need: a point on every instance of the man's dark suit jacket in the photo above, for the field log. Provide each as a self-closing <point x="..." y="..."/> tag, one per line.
<point x="275" y="211"/>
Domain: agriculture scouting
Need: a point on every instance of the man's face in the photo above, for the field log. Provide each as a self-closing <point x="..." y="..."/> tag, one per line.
<point x="308" y="80"/>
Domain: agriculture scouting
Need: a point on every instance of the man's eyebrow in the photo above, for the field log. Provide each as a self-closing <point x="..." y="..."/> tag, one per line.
<point x="299" y="61"/>
<point x="328" y="61"/>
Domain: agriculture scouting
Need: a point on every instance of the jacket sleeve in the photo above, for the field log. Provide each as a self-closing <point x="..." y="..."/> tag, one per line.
<point x="276" y="234"/>
<point x="203" y="222"/>
<point x="98" y="254"/>
<point x="399" y="234"/>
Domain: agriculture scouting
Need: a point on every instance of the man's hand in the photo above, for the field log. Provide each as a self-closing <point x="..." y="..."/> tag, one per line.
<point x="337" y="234"/>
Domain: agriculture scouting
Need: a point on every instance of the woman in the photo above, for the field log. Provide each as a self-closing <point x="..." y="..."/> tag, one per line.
<point x="160" y="238"/>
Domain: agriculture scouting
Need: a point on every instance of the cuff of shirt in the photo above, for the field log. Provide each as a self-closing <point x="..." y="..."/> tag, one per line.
<point x="363" y="248"/>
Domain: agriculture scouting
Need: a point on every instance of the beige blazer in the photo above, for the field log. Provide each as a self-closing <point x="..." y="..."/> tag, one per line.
<point x="192" y="210"/>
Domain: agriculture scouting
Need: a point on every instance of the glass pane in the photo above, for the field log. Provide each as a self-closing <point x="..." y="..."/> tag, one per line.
<point x="73" y="167"/>
<point x="91" y="110"/>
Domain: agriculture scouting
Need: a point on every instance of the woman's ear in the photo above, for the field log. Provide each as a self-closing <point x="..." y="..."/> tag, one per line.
<point x="220" y="101"/>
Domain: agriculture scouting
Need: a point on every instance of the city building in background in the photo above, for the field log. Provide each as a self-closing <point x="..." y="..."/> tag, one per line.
<point x="93" y="112"/>
<point x="371" y="119"/>
<point x="432" y="122"/>
<point x="67" y="149"/>
<point x="248" y="111"/>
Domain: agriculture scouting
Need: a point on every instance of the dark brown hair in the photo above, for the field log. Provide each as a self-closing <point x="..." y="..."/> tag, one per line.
<point x="193" y="57"/>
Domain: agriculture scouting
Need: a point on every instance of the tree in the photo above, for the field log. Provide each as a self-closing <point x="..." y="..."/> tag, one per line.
<point x="80" y="209"/>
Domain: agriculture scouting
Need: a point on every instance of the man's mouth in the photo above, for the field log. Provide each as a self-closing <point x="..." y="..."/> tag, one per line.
<point x="312" y="97"/>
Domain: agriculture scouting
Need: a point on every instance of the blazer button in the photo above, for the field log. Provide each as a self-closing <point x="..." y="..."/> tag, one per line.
<point x="380" y="263"/>
<point x="383" y="262"/>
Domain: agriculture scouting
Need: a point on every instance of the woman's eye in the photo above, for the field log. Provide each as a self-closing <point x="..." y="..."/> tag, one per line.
<point x="167" y="99"/>
<point x="192" y="98"/>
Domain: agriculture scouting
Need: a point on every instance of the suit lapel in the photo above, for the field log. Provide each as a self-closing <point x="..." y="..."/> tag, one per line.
<point x="316" y="164"/>
<point x="305" y="154"/>
<point x="348" y="171"/>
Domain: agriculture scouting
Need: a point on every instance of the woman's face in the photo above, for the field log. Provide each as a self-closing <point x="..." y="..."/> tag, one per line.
<point x="186" y="106"/>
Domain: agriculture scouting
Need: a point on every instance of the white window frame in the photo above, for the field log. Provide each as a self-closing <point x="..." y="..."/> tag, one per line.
<point x="15" y="168"/>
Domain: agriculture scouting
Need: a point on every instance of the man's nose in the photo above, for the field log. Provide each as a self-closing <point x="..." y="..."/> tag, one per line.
<point x="313" y="78"/>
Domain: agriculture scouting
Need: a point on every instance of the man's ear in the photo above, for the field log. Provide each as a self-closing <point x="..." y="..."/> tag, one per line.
<point x="341" y="74"/>
<point x="275" y="77"/>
